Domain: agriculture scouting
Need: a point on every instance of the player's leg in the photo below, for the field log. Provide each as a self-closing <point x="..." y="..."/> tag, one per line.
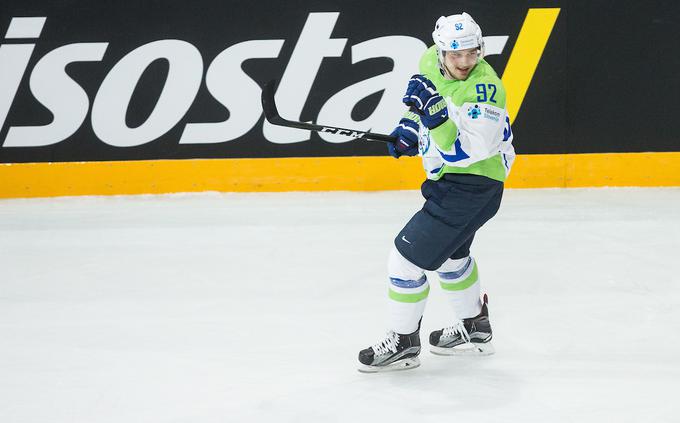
<point x="455" y="209"/>
<point x="470" y="330"/>
<point x="408" y="291"/>
<point x="459" y="279"/>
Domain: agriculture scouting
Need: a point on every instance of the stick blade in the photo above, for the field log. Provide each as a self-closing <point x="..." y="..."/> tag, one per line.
<point x="268" y="103"/>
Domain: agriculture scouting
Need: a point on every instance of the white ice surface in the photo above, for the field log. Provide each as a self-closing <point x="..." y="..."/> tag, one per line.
<point x="252" y="308"/>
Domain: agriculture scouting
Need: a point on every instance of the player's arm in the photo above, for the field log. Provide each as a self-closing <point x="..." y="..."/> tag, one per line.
<point x="482" y="121"/>
<point x="408" y="129"/>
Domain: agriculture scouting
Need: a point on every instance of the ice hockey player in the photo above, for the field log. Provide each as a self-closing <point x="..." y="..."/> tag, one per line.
<point x="459" y="123"/>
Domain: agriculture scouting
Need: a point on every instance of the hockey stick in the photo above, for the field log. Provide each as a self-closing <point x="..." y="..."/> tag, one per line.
<point x="272" y="114"/>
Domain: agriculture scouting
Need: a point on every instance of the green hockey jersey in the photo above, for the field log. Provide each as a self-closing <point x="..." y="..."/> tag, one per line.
<point x="477" y="137"/>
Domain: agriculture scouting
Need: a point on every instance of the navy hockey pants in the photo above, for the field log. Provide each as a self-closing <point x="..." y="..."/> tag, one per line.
<point x="456" y="206"/>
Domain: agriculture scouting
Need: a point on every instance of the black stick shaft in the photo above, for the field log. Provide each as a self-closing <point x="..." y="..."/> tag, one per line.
<point x="271" y="112"/>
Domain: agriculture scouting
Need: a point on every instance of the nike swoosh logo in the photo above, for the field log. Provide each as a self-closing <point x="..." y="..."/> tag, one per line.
<point x="403" y="238"/>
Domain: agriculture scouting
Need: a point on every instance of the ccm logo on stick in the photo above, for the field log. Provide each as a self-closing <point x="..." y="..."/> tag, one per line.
<point x="353" y="134"/>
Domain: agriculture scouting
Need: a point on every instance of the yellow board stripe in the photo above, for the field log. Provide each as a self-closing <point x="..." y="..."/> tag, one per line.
<point x="319" y="174"/>
<point x="596" y="170"/>
<point x="526" y="54"/>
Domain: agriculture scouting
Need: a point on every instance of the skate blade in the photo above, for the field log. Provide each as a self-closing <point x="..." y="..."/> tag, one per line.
<point x="408" y="363"/>
<point x="467" y="349"/>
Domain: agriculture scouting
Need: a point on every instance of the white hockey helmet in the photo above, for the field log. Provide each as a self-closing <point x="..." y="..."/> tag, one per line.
<point x="457" y="32"/>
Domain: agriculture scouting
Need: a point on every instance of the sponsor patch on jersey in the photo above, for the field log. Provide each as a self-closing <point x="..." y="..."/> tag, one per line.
<point x="474" y="112"/>
<point x="491" y="114"/>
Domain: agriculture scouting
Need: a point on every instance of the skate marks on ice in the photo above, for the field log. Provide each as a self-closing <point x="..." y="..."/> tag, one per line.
<point x="252" y="307"/>
<point x="437" y="390"/>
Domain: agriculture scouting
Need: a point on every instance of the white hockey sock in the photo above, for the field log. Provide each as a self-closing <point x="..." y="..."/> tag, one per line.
<point x="460" y="281"/>
<point x="408" y="292"/>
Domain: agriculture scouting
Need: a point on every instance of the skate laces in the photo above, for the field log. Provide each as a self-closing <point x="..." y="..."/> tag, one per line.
<point x="457" y="329"/>
<point x="388" y="344"/>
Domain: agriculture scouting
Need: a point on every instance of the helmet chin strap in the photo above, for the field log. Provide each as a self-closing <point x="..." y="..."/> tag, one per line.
<point x="446" y="72"/>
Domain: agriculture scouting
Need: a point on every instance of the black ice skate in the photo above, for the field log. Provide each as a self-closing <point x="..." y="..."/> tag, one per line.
<point x="466" y="337"/>
<point x="395" y="352"/>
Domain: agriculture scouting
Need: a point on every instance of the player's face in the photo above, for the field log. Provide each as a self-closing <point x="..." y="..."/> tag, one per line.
<point x="460" y="63"/>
